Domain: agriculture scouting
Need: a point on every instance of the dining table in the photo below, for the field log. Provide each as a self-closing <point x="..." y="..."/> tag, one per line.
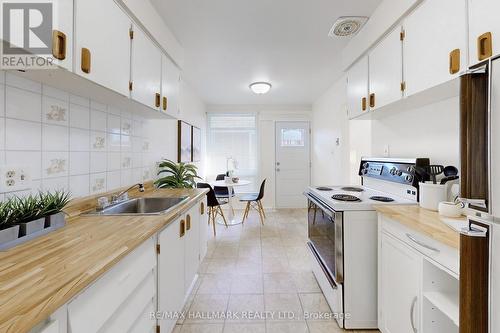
<point x="230" y="185"/>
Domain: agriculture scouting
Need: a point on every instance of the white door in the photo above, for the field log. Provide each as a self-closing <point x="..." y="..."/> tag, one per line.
<point x="483" y="20"/>
<point x="386" y="70"/>
<point x="400" y="270"/>
<point x="102" y="51"/>
<point x="146" y="70"/>
<point x="433" y="31"/>
<point x="357" y="88"/>
<point x="293" y="166"/>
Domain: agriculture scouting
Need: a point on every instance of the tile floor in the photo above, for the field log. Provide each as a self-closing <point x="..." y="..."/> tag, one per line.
<point x="253" y="269"/>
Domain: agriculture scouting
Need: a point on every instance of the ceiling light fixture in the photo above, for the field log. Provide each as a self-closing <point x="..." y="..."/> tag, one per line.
<point x="260" y="88"/>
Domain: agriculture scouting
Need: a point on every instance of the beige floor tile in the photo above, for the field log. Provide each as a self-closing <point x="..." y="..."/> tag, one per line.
<point x="275" y="264"/>
<point x="279" y="283"/>
<point x="325" y="327"/>
<point x="215" y="284"/>
<point x="247" y="284"/>
<point x="306" y="282"/>
<point x="245" y="328"/>
<point x="202" y="328"/>
<point x="221" y="266"/>
<point x="207" y="309"/>
<point x="283" y="307"/>
<point x="245" y="308"/>
<point x="287" y="327"/>
<point x="226" y="251"/>
<point x="315" y="306"/>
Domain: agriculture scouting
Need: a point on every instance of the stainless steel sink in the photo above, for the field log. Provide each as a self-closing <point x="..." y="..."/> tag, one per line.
<point x="142" y="206"/>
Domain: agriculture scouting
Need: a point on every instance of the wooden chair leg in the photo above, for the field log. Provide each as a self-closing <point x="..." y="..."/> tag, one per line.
<point x="223" y="217"/>
<point x="213" y="223"/>
<point x="260" y="214"/>
<point x="245" y="213"/>
<point x="262" y="208"/>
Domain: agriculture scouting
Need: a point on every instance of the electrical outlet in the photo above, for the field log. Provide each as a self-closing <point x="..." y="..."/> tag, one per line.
<point x="14" y="178"/>
<point x="387" y="152"/>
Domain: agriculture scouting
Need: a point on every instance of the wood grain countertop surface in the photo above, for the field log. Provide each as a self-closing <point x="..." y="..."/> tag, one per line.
<point x="42" y="275"/>
<point x="427" y="222"/>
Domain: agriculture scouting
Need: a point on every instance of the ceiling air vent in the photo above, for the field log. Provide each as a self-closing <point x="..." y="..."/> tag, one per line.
<point x="347" y="26"/>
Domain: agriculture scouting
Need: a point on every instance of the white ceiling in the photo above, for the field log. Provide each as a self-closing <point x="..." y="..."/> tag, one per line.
<point x="230" y="43"/>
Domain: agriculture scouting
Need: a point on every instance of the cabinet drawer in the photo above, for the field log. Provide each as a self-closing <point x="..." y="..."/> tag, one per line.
<point x="95" y="306"/>
<point x="444" y="255"/>
<point x="134" y="308"/>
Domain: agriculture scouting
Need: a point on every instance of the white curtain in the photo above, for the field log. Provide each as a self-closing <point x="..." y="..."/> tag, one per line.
<point x="232" y="141"/>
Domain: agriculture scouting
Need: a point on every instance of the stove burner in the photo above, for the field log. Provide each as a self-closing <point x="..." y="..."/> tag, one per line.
<point x="382" y="199"/>
<point x="352" y="189"/>
<point x="324" y="188"/>
<point x="346" y="197"/>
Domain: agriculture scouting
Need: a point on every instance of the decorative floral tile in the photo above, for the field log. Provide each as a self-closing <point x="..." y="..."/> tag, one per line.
<point x="55" y="111"/>
<point x="98" y="141"/>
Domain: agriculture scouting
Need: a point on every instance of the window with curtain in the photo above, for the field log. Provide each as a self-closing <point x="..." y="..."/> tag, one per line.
<point x="232" y="144"/>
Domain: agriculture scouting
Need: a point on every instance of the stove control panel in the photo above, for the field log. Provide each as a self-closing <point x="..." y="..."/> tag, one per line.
<point x="396" y="171"/>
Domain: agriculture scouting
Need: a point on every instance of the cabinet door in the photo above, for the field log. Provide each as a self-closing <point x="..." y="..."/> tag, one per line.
<point x="482" y="20"/>
<point x="170" y="87"/>
<point x="62" y="33"/>
<point x="192" y="246"/>
<point x="400" y="275"/>
<point x="357" y="88"/>
<point x="203" y="229"/>
<point x="102" y="52"/>
<point x="171" y="272"/>
<point x="432" y="32"/>
<point x="386" y="70"/>
<point x="146" y="70"/>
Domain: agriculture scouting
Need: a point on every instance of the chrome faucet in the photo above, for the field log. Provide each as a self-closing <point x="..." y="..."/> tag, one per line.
<point x="103" y="202"/>
<point x="123" y="195"/>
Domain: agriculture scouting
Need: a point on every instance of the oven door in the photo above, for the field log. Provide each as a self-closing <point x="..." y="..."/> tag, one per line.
<point x="326" y="239"/>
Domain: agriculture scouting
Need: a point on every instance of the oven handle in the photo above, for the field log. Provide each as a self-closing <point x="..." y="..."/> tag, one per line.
<point x="327" y="275"/>
<point x="321" y="205"/>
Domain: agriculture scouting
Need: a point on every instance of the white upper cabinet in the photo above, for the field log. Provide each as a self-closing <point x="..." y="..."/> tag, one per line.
<point x="146" y="70"/>
<point x="386" y="71"/>
<point x="357" y="88"/>
<point x="484" y="29"/>
<point x="170" y="87"/>
<point x="62" y="33"/>
<point x="435" y="44"/>
<point x="102" y="44"/>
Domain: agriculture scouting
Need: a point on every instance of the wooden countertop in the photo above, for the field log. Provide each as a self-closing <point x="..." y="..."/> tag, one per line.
<point x="42" y="275"/>
<point x="424" y="221"/>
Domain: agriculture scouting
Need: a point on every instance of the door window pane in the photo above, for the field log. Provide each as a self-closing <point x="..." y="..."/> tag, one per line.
<point x="293" y="137"/>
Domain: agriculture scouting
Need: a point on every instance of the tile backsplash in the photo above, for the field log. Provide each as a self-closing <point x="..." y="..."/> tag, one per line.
<point x="70" y="142"/>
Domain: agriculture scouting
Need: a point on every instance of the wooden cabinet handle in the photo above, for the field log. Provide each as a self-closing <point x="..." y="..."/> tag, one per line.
<point x="165" y="103"/>
<point x="58" y="45"/>
<point x="86" y="60"/>
<point x="484" y="46"/>
<point x="363" y="104"/>
<point x="372" y="100"/>
<point x="188" y="222"/>
<point x="202" y="208"/>
<point x="157" y="100"/>
<point x="455" y="61"/>
<point x="182" y="230"/>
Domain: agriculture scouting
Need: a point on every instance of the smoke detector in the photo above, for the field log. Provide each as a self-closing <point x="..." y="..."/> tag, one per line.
<point x="347" y="26"/>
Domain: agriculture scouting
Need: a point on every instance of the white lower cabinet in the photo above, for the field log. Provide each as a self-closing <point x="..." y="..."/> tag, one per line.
<point x="117" y="300"/>
<point x="203" y="229"/>
<point x="171" y="274"/>
<point x="418" y="289"/>
<point x="399" y="286"/>
<point x="192" y="247"/>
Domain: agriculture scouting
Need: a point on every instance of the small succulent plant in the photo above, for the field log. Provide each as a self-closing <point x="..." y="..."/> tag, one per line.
<point x="53" y="203"/>
<point x="178" y="175"/>
<point x="6" y="220"/>
<point x="26" y="209"/>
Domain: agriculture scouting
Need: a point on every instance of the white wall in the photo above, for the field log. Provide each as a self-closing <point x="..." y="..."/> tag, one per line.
<point x="430" y="131"/>
<point x="330" y="160"/>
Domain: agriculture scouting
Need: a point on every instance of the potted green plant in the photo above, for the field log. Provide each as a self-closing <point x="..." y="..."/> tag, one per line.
<point x="177" y="175"/>
<point x="27" y="213"/>
<point x="52" y="205"/>
<point x="8" y="230"/>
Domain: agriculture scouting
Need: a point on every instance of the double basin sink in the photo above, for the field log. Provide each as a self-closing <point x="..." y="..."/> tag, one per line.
<point x="142" y="206"/>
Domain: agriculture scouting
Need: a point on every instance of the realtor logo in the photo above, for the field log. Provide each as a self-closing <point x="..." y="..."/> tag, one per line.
<point x="27" y="35"/>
